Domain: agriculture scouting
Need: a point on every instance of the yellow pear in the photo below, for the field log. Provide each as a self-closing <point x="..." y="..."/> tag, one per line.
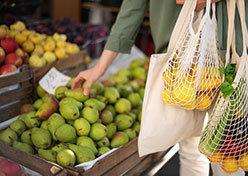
<point x="28" y="46"/>
<point x="26" y="32"/>
<point x="35" y="38"/>
<point x="36" y="61"/>
<point x="18" y="26"/>
<point x="49" y="45"/>
<point x="49" y="56"/>
<point x="20" y="38"/>
<point x="60" y="53"/>
<point x="13" y="33"/>
<point x="71" y="48"/>
<point x="38" y="50"/>
<point x="60" y="43"/>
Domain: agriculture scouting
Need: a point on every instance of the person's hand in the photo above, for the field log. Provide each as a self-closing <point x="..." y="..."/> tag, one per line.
<point x="94" y="73"/>
<point x="201" y="4"/>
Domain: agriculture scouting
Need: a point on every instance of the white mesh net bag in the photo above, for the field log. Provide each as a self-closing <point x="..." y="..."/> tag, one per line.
<point x="225" y="138"/>
<point x="191" y="76"/>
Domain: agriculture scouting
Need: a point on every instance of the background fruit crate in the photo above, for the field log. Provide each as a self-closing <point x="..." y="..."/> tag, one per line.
<point x="12" y="99"/>
<point x="124" y="161"/>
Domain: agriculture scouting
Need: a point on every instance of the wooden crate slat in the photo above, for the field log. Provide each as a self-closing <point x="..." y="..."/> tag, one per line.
<point x="13" y="95"/>
<point x="113" y="159"/>
<point x="31" y="161"/>
<point x="142" y="166"/>
<point x="124" y="165"/>
<point x="12" y="110"/>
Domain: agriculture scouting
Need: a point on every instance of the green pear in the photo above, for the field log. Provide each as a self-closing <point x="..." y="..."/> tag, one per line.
<point x="45" y="111"/>
<point x="65" y="133"/>
<point x="53" y="122"/>
<point x="95" y="103"/>
<point x="102" y="99"/>
<point x="108" y="83"/>
<point x="98" y="131"/>
<point x="51" y="99"/>
<point x="22" y="117"/>
<point x="137" y="63"/>
<point x="83" y="154"/>
<point x="135" y="99"/>
<point x="125" y="72"/>
<point x="112" y="94"/>
<point x="131" y="133"/>
<point x="60" y="92"/>
<point x="142" y="92"/>
<point x="41" y="138"/>
<point x="69" y="111"/>
<point x="120" y="79"/>
<point x="37" y="103"/>
<point x="71" y="100"/>
<point x="135" y="86"/>
<point x="18" y="126"/>
<point x="124" y="121"/>
<point x="111" y="109"/>
<point x="82" y="127"/>
<point x="139" y="116"/>
<point x="139" y="72"/>
<point x="85" y="141"/>
<point x="66" y="158"/>
<point x="26" y="137"/>
<point x="106" y="117"/>
<point x="7" y="135"/>
<point x="70" y="122"/>
<point x="136" y="127"/>
<point x="112" y="128"/>
<point x="124" y="90"/>
<point x="43" y="124"/>
<point x="58" y="147"/>
<point x="99" y="87"/>
<point x="120" y="138"/>
<point x="123" y="105"/>
<point x="131" y="114"/>
<point x="69" y="84"/>
<point x="77" y="93"/>
<point x="103" y="150"/>
<point x="40" y="91"/>
<point x="31" y="120"/>
<point x="90" y="113"/>
<point x="23" y="147"/>
<point x="104" y="142"/>
<point x="48" y="155"/>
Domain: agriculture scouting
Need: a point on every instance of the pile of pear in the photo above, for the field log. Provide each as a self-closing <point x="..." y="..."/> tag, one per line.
<point x="41" y="48"/>
<point x="69" y="128"/>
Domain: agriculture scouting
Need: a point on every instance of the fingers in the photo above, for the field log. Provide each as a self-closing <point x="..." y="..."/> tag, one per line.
<point x="77" y="81"/>
<point x="87" y="87"/>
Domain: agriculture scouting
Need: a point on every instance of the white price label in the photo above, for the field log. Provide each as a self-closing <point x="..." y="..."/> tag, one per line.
<point x="52" y="80"/>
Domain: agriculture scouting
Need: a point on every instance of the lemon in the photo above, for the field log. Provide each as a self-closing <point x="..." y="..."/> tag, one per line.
<point x="168" y="78"/>
<point x="166" y="97"/>
<point x="190" y="106"/>
<point x="203" y="101"/>
<point x="184" y="93"/>
<point x="208" y="84"/>
<point x="216" y="158"/>
<point x="243" y="162"/>
<point x="230" y="165"/>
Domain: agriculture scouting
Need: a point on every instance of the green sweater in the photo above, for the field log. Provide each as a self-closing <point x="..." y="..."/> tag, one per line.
<point x="163" y="16"/>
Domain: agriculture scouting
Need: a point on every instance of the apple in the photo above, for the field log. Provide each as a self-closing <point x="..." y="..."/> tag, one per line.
<point x="10" y="168"/>
<point x="21" y="53"/>
<point x="3" y="33"/>
<point x="7" y="69"/>
<point x="2" y="55"/>
<point x="14" y="59"/>
<point x="9" y="44"/>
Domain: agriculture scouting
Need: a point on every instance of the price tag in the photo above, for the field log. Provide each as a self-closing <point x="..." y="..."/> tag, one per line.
<point x="52" y="80"/>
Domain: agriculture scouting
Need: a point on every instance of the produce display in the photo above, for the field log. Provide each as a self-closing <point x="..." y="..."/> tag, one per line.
<point x="70" y="128"/>
<point x="21" y="45"/>
<point x="9" y="168"/>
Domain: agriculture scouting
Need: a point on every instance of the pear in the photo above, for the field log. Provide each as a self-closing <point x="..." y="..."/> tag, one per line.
<point x="142" y="92"/>
<point x="102" y="150"/>
<point x="141" y="82"/>
<point x="112" y="94"/>
<point x="112" y="128"/>
<point x="22" y="117"/>
<point x="36" y="61"/>
<point x="106" y="117"/>
<point x="36" y="38"/>
<point x="120" y="138"/>
<point x="85" y="141"/>
<point x="137" y="63"/>
<point x="40" y="91"/>
<point x="41" y="138"/>
<point x="48" y="155"/>
<point x="139" y="72"/>
<point x="99" y="87"/>
<point x="83" y="154"/>
<point x="37" y="103"/>
<point x="31" y="120"/>
<point x="108" y="83"/>
<point x="82" y="126"/>
<point x="60" y="92"/>
<point x="77" y="93"/>
<point x="23" y="147"/>
<point x="28" y="46"/>
<point x="102" y="99"/>
<point x="135" y="86"/>
<point x="123" y="105"/>
<point x="49" y="45"/>
<point x="58" y="147"/>
<point x="131" y="114"/>
<point x="69" y="111"/>
<point x="18" y="25"/>
<point x="95" y="103"/>
<point x="104" y="142"/>
<point x="49" y="57"/>
<point x="54" y="121"/>
<point x="120" y="79"/>
<point x="139" y="116"/>
<point x="98" y="131"/>
<point x="25" y="108"/>
<point x="72" y="48"/>
<point x="125" y="72"/>
<point x="38" y="49"/>
<point x="20" y="38"/>
<point x="26" y="137"/>
<point x="90" y="113"/>
<point x="45" y="111"/>
<point x="124" y="90"/>
<point x="43" y="124"/>
<point x="18" y="126"/>
<point x="66" y="158"/>
<point x="111" y="109"/>
<point x="69" y="84"/>
<point x="65" y="133"/>
<point x="7" y="135"/>
<point x="135" y="99"/>
<point x="71" y="100"/>
<point x="51" y="99"/>
<point x="60" y="53"/>
<point x="136" y="127"/>
<point x="124" y="121"/>
<point x="131" y="133"/>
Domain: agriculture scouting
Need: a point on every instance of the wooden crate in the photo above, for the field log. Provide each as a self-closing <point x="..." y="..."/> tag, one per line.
<point x="124" y="161"/>
<point x="12" y="100"/>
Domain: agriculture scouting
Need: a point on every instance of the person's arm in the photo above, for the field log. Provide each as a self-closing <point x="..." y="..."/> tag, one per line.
<point x="121" y="39"/>
<point x="201" y="4"/>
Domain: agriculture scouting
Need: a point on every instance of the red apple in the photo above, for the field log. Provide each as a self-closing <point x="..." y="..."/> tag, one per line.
<point x="2" y="174"/>
<point x="14" y="59"/>
<point x="3" y="33"/>
<point x="7" y="69"/>
<point x="11" y="168"/>
<point x="2" y="55"/>
<point x="9" y="44"/>
<point x="21" y="53"/>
